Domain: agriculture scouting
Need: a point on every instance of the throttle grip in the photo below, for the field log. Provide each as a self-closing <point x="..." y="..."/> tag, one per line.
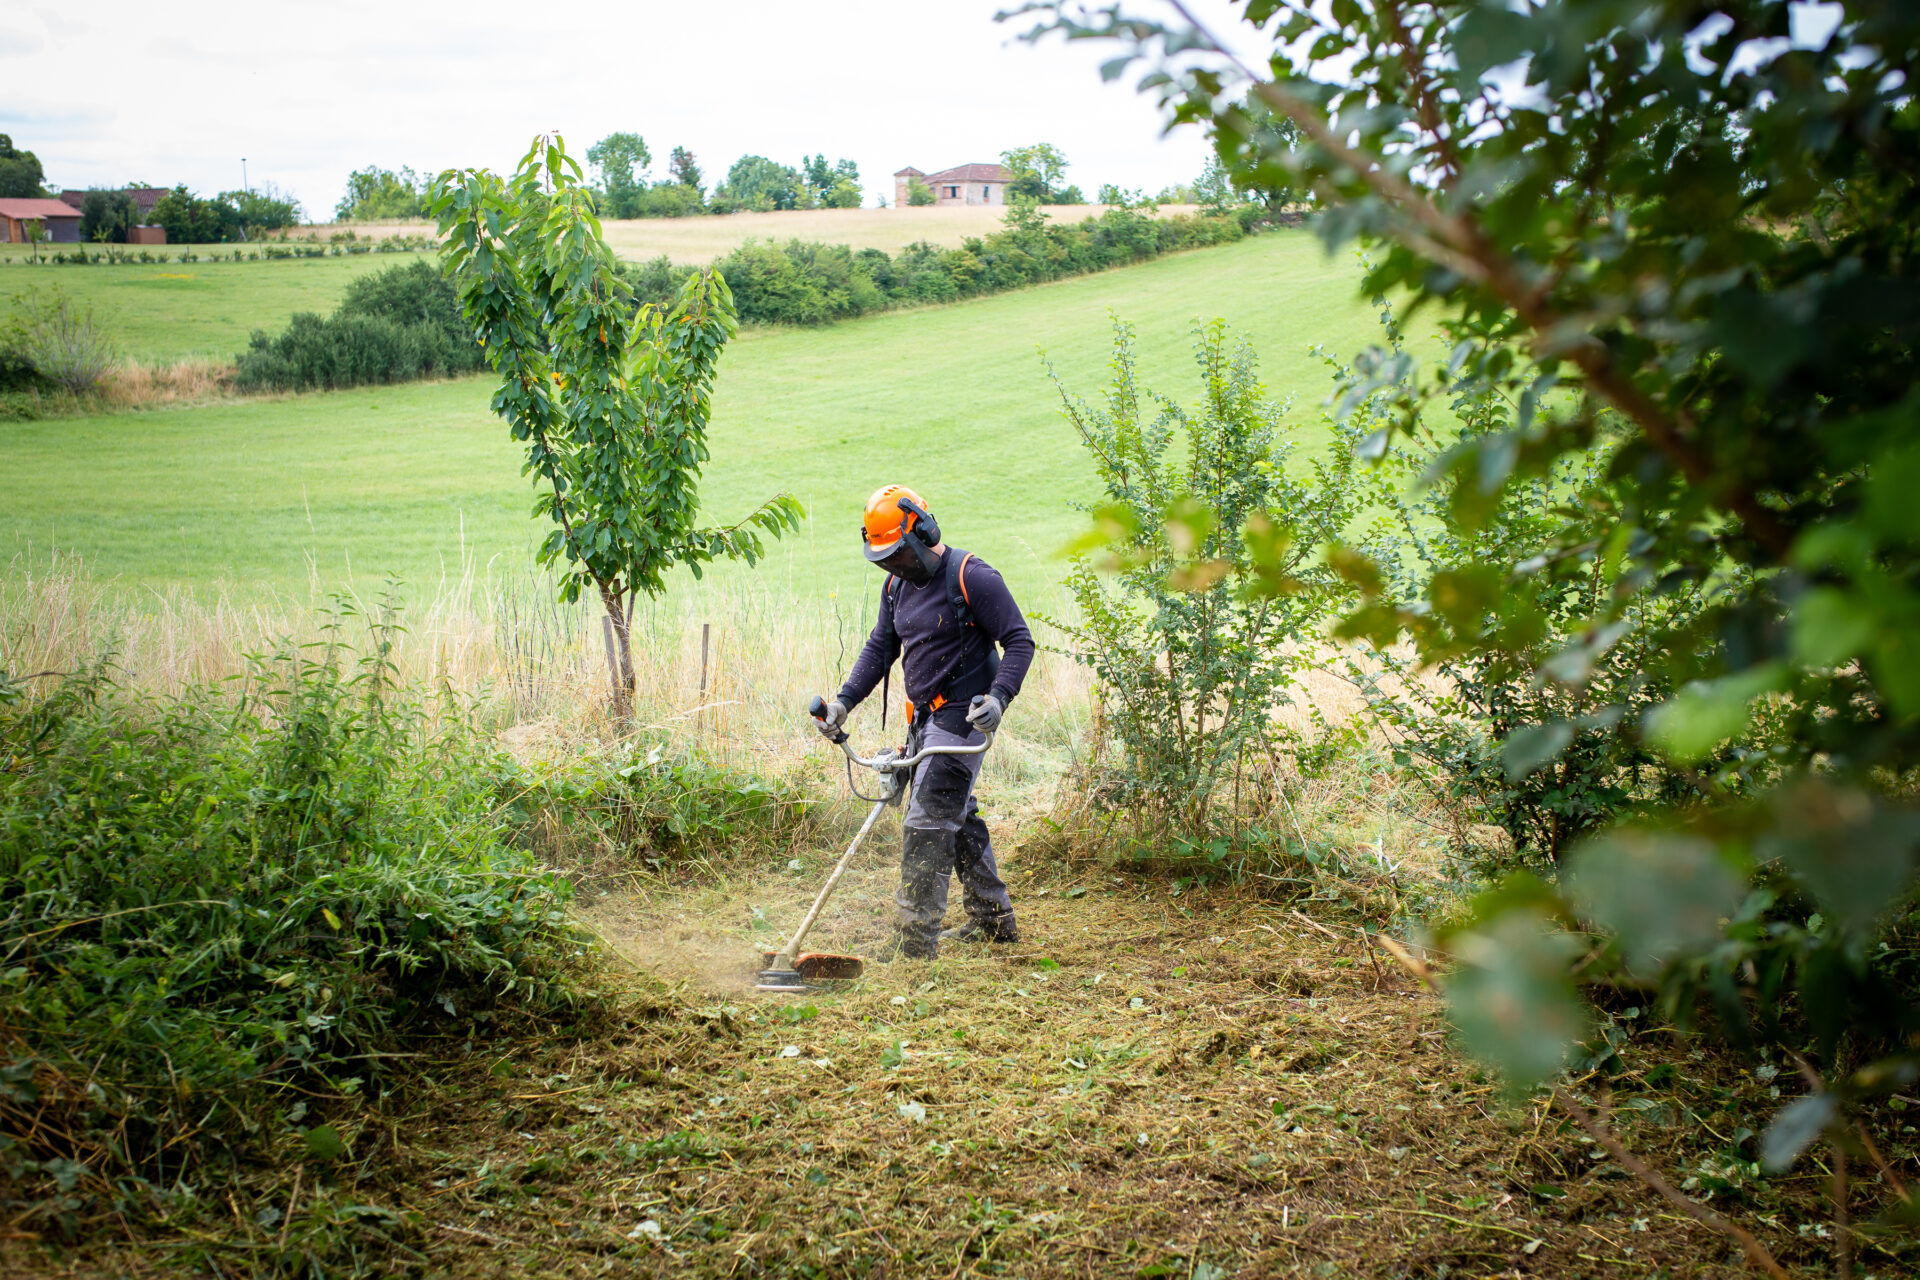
<point x="818" y="710"/>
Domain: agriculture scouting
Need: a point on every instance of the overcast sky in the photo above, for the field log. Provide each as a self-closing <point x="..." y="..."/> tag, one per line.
<point x="112" y="92"/>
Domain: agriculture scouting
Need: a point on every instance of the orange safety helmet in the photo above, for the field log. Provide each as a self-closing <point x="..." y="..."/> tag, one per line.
<point x="889" y="520"/>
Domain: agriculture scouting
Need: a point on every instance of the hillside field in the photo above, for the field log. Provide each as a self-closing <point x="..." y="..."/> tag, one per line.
<point x="276" y="493"/>
<point x="162" y="312"/>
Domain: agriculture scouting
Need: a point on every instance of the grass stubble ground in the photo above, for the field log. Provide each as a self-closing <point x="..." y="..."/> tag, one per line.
<point x="1161" y="1079"/>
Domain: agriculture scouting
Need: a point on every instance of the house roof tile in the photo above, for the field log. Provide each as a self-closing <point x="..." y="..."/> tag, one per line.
<point x="12" y="208"/>
<point x="972" y="173"/>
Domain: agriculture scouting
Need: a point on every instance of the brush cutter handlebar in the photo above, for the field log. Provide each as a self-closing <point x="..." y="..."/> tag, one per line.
<point x="888" y="760"/>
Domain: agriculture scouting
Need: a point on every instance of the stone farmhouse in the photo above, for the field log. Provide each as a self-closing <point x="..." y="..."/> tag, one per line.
<point x="968" y="184"/>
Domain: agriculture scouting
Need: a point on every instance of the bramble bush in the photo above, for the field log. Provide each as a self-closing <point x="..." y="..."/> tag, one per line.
<point x="218" y="913"/>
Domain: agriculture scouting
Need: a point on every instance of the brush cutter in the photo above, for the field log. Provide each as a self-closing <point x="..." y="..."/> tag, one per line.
<point x="789" y="969"/>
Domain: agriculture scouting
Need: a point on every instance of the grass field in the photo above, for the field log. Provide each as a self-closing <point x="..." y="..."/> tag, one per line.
<point x="268" y="494"/>
<point x="175" y="311"/>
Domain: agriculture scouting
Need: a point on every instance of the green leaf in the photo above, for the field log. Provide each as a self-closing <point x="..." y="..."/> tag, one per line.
<point x="1853" y="851"/>
<point x="1664" y="895"/>
<point x="1830" y="626"/>
<point x="323" y="1143"/>
<point x="1525" y="750"/>
<point x="1797" y="1124"/>
<point x="1511" y="997"/>
<point x="893" y="1055"/>
<point x="1689" y="726"/>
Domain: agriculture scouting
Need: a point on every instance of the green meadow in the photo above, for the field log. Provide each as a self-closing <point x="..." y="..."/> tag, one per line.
<point x="285" y="496"/>
<point x="165" y="311"/>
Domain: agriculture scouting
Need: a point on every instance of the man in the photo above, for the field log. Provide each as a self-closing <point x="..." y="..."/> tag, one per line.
<point x="942" y="611"/>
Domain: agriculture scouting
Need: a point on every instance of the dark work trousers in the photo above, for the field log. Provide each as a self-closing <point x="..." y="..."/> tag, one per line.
<point x="944" y="834"/>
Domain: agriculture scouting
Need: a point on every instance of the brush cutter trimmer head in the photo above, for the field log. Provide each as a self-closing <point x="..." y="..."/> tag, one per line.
<point x="811" y="968"/>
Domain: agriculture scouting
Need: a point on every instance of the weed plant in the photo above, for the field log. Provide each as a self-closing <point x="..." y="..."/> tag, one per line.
<point x="218" y="913"/>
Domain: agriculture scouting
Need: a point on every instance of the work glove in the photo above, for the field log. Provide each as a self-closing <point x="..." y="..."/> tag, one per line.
<point x="984" y="713"/>
<point x="829" y="725"/>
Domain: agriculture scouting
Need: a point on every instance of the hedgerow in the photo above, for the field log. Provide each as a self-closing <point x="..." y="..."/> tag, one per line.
<point x="810" y="284"/>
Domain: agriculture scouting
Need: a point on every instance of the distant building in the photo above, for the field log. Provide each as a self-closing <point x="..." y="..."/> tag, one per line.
<point x="968" y="184"/>
<point x="144" y="198"/>
<point x="61" y="220"/>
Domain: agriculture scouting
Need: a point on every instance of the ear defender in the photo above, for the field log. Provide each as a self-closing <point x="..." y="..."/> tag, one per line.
<point x="925" y="529"/>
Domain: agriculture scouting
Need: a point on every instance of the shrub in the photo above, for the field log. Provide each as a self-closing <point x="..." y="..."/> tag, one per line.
<point x="1544" y="736"/>
<point x="219" y="912"/>
<point x="65" y="345"/>
<point x="919" y="194"/>
<point x="1190" y="670"/>
<point x="392" y="326"/>
<point x="669" y="200"/>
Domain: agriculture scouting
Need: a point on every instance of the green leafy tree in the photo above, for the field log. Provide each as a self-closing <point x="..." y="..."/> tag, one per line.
<point x="374" y="192"/>
<point x="1688" y="243"/>
<point x="621" y="160"/>
<point x="686" y="170"/>
<point x="1037" y="170"/>
<point x="106" y="215"/>
<point x="191" y="219"/>
<point x="1214" y="187"/>
<point x="265" y="208"/>
<point x="755" y="182"/>
<point x="919" y="194"/>
<point x="610" y="400"/>
<point x="21" y="176"/>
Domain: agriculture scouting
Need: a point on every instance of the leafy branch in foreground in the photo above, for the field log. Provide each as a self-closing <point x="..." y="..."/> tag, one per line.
<point x="611" y="400"/>
<point x="1686" y="239"/>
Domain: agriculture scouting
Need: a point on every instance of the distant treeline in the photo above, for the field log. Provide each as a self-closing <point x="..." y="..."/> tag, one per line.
<point x="404" y="323"/>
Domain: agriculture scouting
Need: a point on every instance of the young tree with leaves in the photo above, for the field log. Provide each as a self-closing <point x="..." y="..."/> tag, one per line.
<point x="611" y="401"/>
<point x="1686" y="234"/>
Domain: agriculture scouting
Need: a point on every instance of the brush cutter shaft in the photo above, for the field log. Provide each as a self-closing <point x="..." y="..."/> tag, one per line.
<point x="787" y="955"/>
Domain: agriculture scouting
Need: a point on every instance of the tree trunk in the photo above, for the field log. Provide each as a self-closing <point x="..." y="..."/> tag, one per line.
<point x="623" y="655"/>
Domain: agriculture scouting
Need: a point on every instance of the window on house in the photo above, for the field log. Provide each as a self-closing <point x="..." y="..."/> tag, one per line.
<point x="953" y="193"/>
<point x="986" y="193"/>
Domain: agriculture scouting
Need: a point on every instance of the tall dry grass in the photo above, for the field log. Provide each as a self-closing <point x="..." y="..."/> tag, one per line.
<point x="532" y="668"/>
<point x="132" y="385"/>
<point x="535" y="671"/>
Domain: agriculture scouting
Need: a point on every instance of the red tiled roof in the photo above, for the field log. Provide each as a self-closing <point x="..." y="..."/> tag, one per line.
<point x="143" y="197"/>
<point x="972" y="173"/>
<point x="37" y="209"/>
<point x="909" y="170"/>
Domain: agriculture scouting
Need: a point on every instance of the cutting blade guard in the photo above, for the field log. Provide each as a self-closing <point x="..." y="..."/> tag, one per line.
<point x="812" y="968"/>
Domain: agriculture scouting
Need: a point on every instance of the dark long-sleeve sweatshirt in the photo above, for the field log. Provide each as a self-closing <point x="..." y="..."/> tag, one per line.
<point x="919" y="620"/>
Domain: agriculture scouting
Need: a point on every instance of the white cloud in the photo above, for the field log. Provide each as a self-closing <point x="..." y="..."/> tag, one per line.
<point x="308" y="93"/>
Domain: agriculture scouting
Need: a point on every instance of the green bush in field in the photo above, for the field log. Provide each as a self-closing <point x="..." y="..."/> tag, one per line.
<point x="216" y="913"/>
<point x="393" y="326"/>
